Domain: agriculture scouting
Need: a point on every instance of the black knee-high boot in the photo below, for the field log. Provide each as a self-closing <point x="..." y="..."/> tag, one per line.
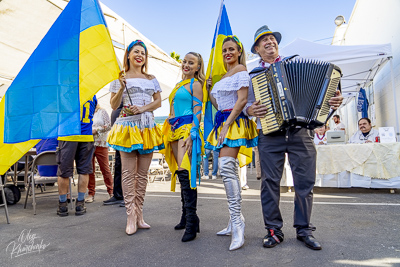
<point x="190" y="204"/>
<point x="182" y="224"/>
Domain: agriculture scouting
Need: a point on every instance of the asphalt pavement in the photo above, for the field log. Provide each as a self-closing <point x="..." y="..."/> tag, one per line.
<point x="356" y="227"/>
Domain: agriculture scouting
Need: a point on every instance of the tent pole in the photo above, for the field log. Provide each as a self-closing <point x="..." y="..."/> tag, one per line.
<point x="355" y="105"/>
<point x="395" y="100"/>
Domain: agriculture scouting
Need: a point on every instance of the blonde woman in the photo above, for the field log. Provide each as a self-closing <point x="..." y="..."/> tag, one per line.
<point x="135" y="134"/>
<point x="184" y="141"/>
<point x="234" y="133"/>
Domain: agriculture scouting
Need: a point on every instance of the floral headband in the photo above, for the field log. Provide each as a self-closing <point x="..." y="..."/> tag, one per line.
<point x="234" y="37"/>
<point x="137" y="42"/>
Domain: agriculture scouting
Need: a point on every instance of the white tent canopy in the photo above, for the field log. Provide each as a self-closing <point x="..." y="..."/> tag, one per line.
<point x="359" y="63"/>
<point x="23" y="24"/>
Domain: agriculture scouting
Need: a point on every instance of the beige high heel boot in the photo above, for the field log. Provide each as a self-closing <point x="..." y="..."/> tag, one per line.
<point x="128" y="161"/>
<point x="140" y="191"/>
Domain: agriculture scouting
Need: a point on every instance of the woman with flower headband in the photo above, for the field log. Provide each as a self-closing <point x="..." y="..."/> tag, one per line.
<point x="234" y="134"/>
<point x="135" y="134"/>
<point x="183" y="140"/>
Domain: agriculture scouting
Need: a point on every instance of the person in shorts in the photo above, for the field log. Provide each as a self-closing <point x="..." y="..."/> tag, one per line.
<point x="78" y="148"/>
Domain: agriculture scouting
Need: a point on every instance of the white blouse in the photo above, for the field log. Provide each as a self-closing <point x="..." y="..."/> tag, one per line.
<point x="140" y="90"/>
<point x="141" y="93"/>
<point x="225" y="91"/>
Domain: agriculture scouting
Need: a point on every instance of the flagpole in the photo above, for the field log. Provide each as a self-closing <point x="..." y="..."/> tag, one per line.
<point x="211" y="70"/>
<point x="215" y="36"/>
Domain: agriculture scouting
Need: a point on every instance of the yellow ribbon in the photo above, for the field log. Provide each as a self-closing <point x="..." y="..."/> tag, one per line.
<point x="178" y="85"/>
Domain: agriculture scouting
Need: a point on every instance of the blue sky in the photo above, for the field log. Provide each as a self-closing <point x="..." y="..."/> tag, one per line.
<point x="188" y="25"/>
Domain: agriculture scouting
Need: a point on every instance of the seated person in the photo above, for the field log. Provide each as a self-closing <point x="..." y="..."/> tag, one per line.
<point x="366" y="134"/>
<point x="319" y="136"/>
<point x="339" y="126"/>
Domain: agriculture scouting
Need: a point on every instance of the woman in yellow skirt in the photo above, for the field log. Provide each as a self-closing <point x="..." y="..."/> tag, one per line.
<point x="183" y="139"/>
<point x="234" y="134"/>
<point x="135" y="134"/>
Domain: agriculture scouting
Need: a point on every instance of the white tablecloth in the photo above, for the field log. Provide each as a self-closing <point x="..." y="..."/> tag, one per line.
<point x="347" y="179"/>
<point x="381" y="161"/>
<point x="355" y="165"/>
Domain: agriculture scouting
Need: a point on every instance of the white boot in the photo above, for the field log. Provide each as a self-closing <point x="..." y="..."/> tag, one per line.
<point x="228" y="230"/>
<point x="233" y="194"/>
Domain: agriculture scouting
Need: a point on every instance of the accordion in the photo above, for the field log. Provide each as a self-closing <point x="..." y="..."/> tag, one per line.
<point x="296" y="92"/>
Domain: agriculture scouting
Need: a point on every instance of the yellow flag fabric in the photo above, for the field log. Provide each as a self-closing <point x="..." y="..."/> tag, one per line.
<point x="11" y="153"/>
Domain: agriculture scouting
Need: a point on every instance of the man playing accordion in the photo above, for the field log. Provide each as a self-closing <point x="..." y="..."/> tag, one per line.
<point x="293" y="140"/>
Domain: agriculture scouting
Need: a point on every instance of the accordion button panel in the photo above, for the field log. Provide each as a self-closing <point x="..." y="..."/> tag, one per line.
<point x="261" y="91"/>
<point x="331" y="92"/>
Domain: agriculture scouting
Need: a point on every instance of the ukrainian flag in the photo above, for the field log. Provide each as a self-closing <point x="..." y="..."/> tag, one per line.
<point x="216" y="68"/>
<point x="73" y="61"/>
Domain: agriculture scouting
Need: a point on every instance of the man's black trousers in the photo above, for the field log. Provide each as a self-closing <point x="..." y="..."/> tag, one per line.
<point x="299" y="146"/>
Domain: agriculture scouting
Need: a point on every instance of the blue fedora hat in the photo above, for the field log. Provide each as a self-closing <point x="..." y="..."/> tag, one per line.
<point x="263" y="30"/>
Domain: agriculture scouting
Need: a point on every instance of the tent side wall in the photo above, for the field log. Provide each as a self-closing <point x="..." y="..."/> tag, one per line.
<point x="377" y="22"/>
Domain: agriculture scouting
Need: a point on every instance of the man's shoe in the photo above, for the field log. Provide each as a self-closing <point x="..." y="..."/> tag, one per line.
<point x="258" y="178"/>
<point x="271" y="239"/>
<point x="62" y="210"/>
<point x="113" y="201"/>
<point x="80" y="208"/>
<point x="205" y="177"/>
<point x="214" y="177"/>
<point x="310" y="242"/>
<point x="89" y="199"/>
<point x="122" y="205"/>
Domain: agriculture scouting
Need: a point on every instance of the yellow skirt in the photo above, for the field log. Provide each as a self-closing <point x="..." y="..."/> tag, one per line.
<point x="170" y="136"/>
<point x="181" y="133"/>
<point x="241" y="133"/>
<point x="130" y="135"/>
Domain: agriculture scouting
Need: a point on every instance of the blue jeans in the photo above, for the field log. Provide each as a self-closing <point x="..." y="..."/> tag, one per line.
<point x="215" y="161"/>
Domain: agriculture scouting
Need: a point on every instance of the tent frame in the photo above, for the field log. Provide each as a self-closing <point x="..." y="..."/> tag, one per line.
<point x="395" y="100"/>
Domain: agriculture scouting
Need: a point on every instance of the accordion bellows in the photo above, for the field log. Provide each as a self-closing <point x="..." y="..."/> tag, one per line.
<point x="296" y="92"/>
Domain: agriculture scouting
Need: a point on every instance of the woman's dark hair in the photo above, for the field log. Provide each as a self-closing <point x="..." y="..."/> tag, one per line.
<point x="242" y="57"/>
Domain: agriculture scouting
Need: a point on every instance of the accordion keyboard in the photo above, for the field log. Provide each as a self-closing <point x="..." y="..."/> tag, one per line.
<point x="270" y="122"/>
<point x="331" y="91"/>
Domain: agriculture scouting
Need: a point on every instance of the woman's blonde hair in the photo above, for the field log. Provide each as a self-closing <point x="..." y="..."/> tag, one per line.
<point x="199" y="74"/>
<point x="126" y="57"/>
<point x="242" y="57"/>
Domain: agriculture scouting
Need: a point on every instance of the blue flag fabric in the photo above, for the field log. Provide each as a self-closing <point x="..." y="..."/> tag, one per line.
<point x="363" y="104"/>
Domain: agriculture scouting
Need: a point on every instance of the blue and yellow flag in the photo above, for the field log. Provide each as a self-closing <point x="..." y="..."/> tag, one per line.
<point x="73" y="61"/>
<point x="216" y="68"/>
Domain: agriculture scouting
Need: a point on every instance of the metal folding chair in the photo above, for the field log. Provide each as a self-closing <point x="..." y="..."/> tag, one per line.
<point x="3" y="196"/>
<point x="45" y="158"/>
